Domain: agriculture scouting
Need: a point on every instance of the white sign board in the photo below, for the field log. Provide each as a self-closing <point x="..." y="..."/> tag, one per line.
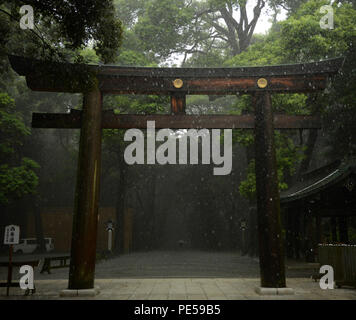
<point x="12" y="234"/>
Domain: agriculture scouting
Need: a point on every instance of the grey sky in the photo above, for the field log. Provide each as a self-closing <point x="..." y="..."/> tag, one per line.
<point x="263" y="23"/>
<point x="262" y="26"/>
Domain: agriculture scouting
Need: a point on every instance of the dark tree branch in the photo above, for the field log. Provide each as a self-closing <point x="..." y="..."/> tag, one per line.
<point x="232" y="26"/>
<point x="39" y="36"/>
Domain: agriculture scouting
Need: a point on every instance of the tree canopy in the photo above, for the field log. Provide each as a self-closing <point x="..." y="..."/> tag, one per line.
<point x="17" y="173"/>
<point x="61" y="28"/>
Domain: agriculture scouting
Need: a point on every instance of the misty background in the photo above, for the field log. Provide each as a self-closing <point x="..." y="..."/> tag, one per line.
<point x="174" y="206"/>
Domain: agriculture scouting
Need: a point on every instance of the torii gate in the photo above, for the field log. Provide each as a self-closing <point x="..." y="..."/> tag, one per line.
<point x="94" y="81"/>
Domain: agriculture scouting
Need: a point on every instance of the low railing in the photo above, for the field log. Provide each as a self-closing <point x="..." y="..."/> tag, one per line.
<point x="48" y="263"/>
<point x="343" y="260"/>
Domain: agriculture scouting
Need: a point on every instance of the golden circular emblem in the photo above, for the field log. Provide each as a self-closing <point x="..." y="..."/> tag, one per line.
<point x="178" y="83"/>
<point x="262" y="83"/>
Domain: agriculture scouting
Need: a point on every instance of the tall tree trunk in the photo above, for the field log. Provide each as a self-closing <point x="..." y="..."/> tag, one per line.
<point x="304" y="166"/>
<point x="312" y="102"/>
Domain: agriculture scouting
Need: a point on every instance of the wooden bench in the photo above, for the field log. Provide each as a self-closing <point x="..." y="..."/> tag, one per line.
<point x="47" y="265"/>
<point x="16" y="284"/>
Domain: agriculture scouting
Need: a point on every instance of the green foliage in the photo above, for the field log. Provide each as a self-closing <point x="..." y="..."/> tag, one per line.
<point x="89" y="56"/>
<point x="150" y="105"/>
<point x="210" y="58"/>
<point x="164" y="26"/>
<point x="291" y="6"/>
<point x="303" y="39"/>
<point x="266" y="51"/>
<point x="205" y="32"/>
<point x="137" y="104"/>
<point x="243" y="137"/>
<point x="288" y="156"/>
<point x="247" y="188"/>
<point x="292" y="104"/>
<point x="130" y="57"/>
<point x="61" y="27"/>
<point x="17" y="175"/>
<point x="12" y="128"/>
<point x="129" y="11"/>
<point x="17" y="181"/>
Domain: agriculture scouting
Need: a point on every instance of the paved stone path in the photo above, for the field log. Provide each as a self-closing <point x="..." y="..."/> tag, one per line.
<point x="185" y="289"/>
<point x="181" y="276"/>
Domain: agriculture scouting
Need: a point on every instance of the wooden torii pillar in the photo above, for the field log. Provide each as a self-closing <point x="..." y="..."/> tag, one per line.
<point x="94" y="81"/>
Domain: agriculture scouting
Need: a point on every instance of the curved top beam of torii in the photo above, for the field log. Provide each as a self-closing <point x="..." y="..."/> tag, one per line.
<point x="67" y="77"/>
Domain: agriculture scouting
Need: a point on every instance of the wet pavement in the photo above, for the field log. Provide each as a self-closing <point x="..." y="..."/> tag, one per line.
<point x="179" y="276"/>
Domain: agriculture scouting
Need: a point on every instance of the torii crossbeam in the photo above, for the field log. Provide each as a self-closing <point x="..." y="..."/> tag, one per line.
<point x="94" y="81"/>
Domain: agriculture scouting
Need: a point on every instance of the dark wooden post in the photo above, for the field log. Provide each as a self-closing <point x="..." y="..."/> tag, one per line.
<point x="343" y="230"/>
<point x="319" y="228"/>
<point x="297" y="235"/>
<point x="289" y="214"/>
<point x="178" y="103"/>
<point x="83" y="253"/>
<point x="268" y="203"/>
<point x="308" y="239"/>
<point x="9" y="270"/>
<point x="333" y="230"/>
<point x="319" y="234"/>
